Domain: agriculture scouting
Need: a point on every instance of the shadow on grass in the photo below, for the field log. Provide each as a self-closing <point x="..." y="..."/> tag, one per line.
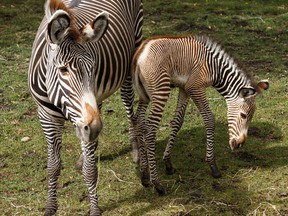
<point x="193" y="187"/>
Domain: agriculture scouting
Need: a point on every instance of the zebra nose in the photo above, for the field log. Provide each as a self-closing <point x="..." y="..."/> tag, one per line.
<point x="89" y="128"/>
<point x="88" y="132"/>
<point x="92" y="130"/>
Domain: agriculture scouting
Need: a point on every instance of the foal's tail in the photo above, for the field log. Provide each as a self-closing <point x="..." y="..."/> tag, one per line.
<point x="139" y="83"/>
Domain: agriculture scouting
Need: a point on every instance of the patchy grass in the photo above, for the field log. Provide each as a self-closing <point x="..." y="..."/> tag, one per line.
<point x="254" y="178"/>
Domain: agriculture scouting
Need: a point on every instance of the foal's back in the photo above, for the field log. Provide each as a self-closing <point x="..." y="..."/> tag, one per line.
<point x="180" y="58"/>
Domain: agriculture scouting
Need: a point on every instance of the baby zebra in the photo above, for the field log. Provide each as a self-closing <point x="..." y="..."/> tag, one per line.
<point x="191" y="63"/>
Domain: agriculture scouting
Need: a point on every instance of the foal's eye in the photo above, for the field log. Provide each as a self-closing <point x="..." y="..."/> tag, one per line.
<point x="64" y="70"/>
<point x="243" y="116"/>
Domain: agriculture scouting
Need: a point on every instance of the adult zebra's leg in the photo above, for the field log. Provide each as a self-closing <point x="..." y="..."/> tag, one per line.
<point x="90" y="173"/>
<point x="52" y="128"/>
<point x="176" y="124"/>
<point x="79" y="163"/>
<point x="140" y="129"/>
<point x="199" y="97"/>
<point x="127" y="95"/>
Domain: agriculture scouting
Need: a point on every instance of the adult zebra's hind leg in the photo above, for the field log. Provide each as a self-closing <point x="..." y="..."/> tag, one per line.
<point x="127" y="95"/>
<point x="176" y="124"/>
<point x="52" y="128"/>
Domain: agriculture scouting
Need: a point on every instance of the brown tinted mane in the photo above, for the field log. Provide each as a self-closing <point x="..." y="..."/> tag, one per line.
<point x="73" y="30"/>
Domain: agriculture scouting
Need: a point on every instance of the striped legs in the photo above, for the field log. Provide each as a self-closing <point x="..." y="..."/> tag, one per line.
<point x="158" y="102"/>
<point x="176" y="124"/>
<point x="199" y="98"/>
<point x="140" y="130"/>
<point x="90" y="173"/>
<point x="52" y="128"/>
<point x="127" y="96"/>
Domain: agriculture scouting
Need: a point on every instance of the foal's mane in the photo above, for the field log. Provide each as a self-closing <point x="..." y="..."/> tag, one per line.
<point x="215" y="47"/>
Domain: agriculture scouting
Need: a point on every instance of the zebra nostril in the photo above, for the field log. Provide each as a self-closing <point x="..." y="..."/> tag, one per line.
<point x="86" y="128"/>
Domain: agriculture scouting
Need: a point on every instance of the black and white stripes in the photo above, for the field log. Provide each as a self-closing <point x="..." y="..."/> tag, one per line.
<point x="81" y="55"/>
<point x="191" y="63"/>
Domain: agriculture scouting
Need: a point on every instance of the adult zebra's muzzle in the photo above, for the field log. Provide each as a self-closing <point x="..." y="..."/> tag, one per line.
<point x="89" y="129"/>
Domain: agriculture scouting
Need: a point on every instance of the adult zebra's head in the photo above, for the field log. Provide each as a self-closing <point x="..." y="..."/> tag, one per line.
<point x="240" y="113"/>
<point x="71" y="67"/>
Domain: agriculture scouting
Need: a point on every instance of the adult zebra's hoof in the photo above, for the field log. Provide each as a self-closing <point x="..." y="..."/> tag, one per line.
<point x="215" y="171"/>
<point x="160" y="189"/>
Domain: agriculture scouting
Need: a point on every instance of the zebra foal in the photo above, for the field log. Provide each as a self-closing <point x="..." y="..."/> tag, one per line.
<point x="191" y="63"/>
<point x="81" y="55"/>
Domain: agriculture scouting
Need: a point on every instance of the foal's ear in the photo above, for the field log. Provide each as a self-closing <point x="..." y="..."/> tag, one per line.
<point x="262" y="85"/>
<point x="247" y="92"/>
<point x="58" y="26"/>
<point x="94" y="30"/>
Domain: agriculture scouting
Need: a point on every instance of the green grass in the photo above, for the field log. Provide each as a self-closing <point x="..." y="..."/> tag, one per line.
<point x="254" y="179"/>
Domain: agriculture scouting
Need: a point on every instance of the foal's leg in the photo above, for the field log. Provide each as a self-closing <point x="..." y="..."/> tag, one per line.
<point x="140" y="129"/>
<point x="176" y="124"/>
<point x="158" y="102"/>
<point x="199" y="97"/>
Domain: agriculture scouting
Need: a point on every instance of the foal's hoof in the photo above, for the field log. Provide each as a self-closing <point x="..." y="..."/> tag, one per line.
<point x="169" y="167"/>
<point x="50" y="212"/>
<point x="170" y="170"/>
<point x="160" y="189"/>
<point x="145" y="179"/>
<point x="135" y="157"/>
<point x="95" y="212"/>
<point x="215" y="171"/>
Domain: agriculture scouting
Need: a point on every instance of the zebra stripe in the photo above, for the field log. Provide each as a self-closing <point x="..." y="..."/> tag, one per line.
<point x="191" y="63"/>
<point x="71" y="74"/>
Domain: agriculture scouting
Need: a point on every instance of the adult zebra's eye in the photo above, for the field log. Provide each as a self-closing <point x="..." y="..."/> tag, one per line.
<point x="64" y="70"/>
<point x="243" y="116"/>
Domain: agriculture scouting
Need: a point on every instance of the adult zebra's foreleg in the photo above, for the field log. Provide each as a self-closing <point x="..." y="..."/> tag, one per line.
<point x="52" y="128"/>
<point x="176" y="124"/>
<point x="127" y="96"/>
<point x="79" y="163"/>
<point x="90" y="173"/>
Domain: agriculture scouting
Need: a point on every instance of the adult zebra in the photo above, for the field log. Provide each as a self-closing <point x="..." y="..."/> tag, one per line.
<point x="72" y="71"/>
<point x="191" y="63"/>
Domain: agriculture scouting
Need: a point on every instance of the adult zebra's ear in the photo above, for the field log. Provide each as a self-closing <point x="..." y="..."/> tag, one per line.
<point x="94" y="30"/>
<point x="58" y="26"/>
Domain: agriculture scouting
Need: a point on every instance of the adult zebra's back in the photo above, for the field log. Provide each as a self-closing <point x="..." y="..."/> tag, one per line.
<point x="77" y="61"/>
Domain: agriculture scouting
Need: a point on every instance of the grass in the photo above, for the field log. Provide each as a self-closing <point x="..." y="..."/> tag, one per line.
<point x="254" y="180"/>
